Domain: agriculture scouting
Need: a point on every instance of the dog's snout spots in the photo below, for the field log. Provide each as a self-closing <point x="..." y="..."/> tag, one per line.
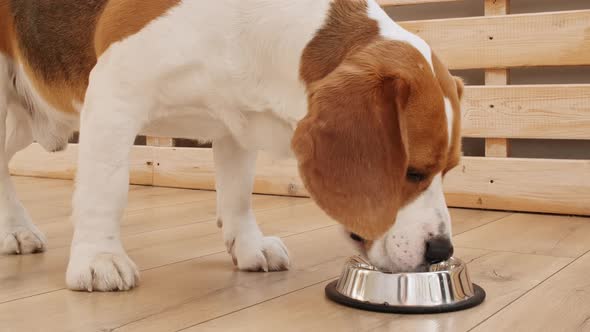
<point x="439" y="214"/>
<point x="442" y="228"/>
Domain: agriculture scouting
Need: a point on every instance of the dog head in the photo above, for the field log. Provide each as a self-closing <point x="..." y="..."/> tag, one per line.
<point x="381" y="131"/>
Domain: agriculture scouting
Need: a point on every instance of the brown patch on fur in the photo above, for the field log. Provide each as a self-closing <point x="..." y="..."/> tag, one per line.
<point x="55" y="46"/>
<point x="6" y="29"/>
<point x="378" y="113"/>
<point x="347" y="30"/>
<point x="55" y="40"/>
<point x="61" y="95"/>
<point x="123" y="18"/>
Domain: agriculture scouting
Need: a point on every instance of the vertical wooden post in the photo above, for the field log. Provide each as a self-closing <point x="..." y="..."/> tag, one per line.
<point x="159" y="141"/>
<point x="497" y="147"/>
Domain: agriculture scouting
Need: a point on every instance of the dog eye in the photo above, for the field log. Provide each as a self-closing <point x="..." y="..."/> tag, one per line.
<point x="356" y="238"/>
<point x="415" y="176"/>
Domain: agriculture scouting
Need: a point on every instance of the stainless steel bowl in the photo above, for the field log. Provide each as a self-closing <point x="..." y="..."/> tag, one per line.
<point x="445" y="287"/>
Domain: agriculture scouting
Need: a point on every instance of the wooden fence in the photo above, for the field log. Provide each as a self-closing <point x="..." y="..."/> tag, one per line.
<point x="496" y="111"/>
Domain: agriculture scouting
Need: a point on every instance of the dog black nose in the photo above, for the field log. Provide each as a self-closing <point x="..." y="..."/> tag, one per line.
<point x="438" y="249"/>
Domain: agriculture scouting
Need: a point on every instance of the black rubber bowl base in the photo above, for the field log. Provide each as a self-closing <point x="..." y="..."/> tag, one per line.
<point x="471" y="302"/>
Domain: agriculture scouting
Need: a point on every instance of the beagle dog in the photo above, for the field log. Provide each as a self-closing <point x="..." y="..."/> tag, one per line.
<point x="368" y="110"/>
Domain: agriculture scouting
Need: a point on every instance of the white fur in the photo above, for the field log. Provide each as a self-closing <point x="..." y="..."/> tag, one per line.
<point x="391" y="30"/>
<point x="212" y="75"/>
<point x="112" y="115"/>
<point x="18" y="234"/>
<point x="225" y="71"/>
<point x="234" y="167"/>
<point x="450" y="117"/>
<point x="402" y="248"/>
<point x="50" y="127"/>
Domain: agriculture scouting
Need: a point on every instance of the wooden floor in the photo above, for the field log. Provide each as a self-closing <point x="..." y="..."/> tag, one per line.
<point x="535" y="269"/>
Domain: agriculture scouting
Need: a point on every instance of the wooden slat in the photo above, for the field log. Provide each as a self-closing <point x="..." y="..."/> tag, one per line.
<point x="193" y="168"/>
<point x="540" y="185"/>
<point x="541" y="39"/>
<point x="409" y="2"/>
<point x="35" y="161"/>
<point x="527" y="111"/>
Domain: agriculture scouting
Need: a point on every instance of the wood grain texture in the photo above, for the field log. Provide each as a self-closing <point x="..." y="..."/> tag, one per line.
<point x="189" y="282"/>
<point x="558" y="236"/>
<point x="541" y="39"/>
<point x="201" y="286"/>
<point x="504" y="276"/>
<point x="161" y="226"/>
<point x="540" y="185"/>
<point x="464" y="220"/>
<point x="562" y="303"/>
<point x="527" y="111"/>
<point x="35" y="161"/>
<point x="159" y="217"/>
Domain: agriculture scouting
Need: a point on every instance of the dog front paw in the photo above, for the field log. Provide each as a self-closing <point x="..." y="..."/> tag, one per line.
<point x="101" y="271"/>
<point x="19" y="236"/>
<point x="258" y="253"/>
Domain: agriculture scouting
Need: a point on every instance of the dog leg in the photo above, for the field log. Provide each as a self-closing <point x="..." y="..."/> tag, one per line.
<point x="250" y="250"/>
<point x="109" y="124"/>
<point x="18" y="234"/>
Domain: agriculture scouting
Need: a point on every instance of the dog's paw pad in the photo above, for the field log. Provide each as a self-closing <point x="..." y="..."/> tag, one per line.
<point x="22" y="241"/>
<point x="105" y="272"/>
<point x="259" y="253"/>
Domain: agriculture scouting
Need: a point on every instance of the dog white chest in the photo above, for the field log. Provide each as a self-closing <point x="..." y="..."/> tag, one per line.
<point x="213" y="69"/>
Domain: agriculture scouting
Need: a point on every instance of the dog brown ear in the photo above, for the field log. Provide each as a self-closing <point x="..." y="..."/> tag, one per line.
<point x="351" y="148"/>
